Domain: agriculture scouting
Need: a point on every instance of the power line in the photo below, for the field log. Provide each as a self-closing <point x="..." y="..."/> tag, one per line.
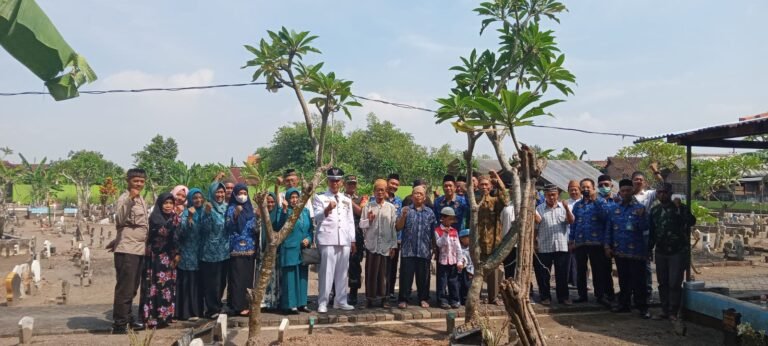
<point x="216" y="86"/>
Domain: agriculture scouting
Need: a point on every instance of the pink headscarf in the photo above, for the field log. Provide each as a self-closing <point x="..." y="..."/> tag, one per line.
<point x="178" y="189"/>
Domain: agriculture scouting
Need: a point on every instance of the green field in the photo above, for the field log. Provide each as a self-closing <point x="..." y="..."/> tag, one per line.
<point x="66" y="195"/>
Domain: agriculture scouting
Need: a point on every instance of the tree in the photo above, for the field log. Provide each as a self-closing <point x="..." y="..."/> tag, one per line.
<point x="8" y="175"/>
<point x="43" y="180"/>
<point x="495" y="93"/>
<point x="83" y="169"/>
<point x="107" y="190"/>
<point x="280" y="63"/>
<point x="670" y="157"/>
<point x="158" y="159"/>
<point x="712" y="176"/>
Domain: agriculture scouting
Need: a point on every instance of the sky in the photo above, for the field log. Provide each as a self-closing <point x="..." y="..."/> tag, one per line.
<point x="643" y="67"/>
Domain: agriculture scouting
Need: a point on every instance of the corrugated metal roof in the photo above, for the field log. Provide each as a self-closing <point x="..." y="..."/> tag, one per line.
<point x="560" y="172"/>
<point x="670" y="136"/>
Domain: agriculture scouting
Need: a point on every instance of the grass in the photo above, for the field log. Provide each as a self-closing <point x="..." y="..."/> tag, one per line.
<point x="734" y="206"/>
<point x="67" y="195"/>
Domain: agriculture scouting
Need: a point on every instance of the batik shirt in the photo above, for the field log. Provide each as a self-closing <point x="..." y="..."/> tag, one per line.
<point x="398" y="203"/>
<point x="418" y="232"/>
<point x="190" y="239"/>
<point x="624" y="228"/>
<point x="669" y="228"/>
<point x="588" y="227"/>
<point x="459" y="206"/>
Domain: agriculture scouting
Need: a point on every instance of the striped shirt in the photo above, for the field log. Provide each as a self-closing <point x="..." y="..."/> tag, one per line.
<point x="553" y="229"/>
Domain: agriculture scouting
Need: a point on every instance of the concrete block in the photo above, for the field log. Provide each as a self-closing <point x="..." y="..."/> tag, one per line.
<point x="26" y="325"/>
<point x="281" y="330"/>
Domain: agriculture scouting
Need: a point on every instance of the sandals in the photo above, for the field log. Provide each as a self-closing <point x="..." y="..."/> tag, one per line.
<point x="402" y="305"/>
<point x="424" y="304"/>
<point x="245" y="312"/>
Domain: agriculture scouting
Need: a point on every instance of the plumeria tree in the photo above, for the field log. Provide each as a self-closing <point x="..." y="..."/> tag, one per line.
<point x="496" y="92"/>
<point x="278" y="59"/>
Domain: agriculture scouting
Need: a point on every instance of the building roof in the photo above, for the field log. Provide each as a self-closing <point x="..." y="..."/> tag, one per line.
<point x="560" y="172"/>
<point x="720" y="135"/>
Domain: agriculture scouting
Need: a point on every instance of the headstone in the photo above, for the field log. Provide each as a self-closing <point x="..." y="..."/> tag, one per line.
<point x="91" y="244"/>
<point x="64" y="292"/>
<point x="101" y="241"/>
<point x="78" y="234"/>
<point x="197" y="342"/>
<point x="36" y="273"/>
<point x="738" y="248"/>
<point x="281" y="330"/>
<point x="102" y="231"/>
<point x="12" y="288"/>
<point x="86" y="255"/>
<point x="46" y="248"/>
<point x="109" y="234"/>
<point x="72" y="243"/>
<point x="79" y="246"/>
<point x="220" y="330"/>
<point x="16" y="249"/>
<point x="26" y="325"/>
<point x="26" y="278"/>
<point x="705" y="241"/>
<point x="186" y="338"/>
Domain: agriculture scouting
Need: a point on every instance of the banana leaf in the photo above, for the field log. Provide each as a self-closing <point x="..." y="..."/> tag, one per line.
<point x="28" y="35"/>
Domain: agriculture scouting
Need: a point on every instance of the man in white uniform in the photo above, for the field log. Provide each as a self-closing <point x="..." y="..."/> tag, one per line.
<point x="335" y="239"/>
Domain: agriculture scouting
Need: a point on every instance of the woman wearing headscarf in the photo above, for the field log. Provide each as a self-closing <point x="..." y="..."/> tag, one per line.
<point x="272" y="292"/>
<point x="189" y="299"/>
<point x="243" y="248"/>
<point x="214" y="251"/>
<point x="293" y="274"/>
<point x="180" y="193"/>
<point x="378" y="224"/>
<point x="159" y="284"/>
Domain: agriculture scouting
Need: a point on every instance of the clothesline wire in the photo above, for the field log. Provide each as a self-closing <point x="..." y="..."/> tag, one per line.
<point x="216" y="86"/>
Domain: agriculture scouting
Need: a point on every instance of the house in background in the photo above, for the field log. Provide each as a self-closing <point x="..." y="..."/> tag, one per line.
<point x="557" y="172"/>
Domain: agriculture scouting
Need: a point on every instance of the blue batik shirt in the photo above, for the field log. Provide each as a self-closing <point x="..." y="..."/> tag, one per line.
<point x="418" y="232"/>
<point x="624" y="230"/>
<point x="588" y="227"/>
<point x="459" y="206"/>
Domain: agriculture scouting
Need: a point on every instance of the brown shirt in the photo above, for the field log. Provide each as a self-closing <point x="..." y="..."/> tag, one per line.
<point x="489" y="220"/>
<point x="131" y="221"/>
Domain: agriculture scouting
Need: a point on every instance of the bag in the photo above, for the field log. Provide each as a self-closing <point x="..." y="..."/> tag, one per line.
<point x="310" y="256"/>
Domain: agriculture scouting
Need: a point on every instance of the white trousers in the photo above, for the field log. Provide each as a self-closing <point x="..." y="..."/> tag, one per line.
<point x="334" y="263"/>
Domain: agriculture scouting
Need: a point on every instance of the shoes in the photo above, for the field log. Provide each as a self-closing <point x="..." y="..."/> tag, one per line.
<point x="566" y="302"/>
<point x="602" y="301"/>
<point x="455" y="305"/>
<point x="392" y="297"/>
<point x="322" y="309"/>
<point x="193" y="319"/>
<point x="119" y="330"/>
<point x="581" y="300"/>
<point x="345" y="307"/>
<point x="293" y="311"/>
<point x="352" y="297"/>
<point x="621" y="309"/>
<point x="304" y="309"/>
<point x="214" y="316"/>
<point x="137" y="326"/>
<point x="445" y="306"/>
<point x="645" y="314"/>
<point x="545" y="302"/>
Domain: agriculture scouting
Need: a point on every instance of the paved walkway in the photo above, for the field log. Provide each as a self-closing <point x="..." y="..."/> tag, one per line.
<point x="63" y="319"/>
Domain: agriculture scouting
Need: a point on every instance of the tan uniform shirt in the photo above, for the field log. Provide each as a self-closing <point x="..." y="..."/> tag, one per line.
<point x="132" y="225"/>
<point x="489" y="220"/>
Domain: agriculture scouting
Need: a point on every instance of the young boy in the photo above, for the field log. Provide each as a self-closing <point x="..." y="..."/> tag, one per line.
<point x="447" y="240"/>
<point x="465" y="268"/>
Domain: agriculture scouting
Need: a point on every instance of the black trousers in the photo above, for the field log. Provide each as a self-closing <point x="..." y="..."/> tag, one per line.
<point x="128" y="270"/>
<point x="213" y="279"/>
<point x="670" y="270"/>
<point x="241" y="269"/>
<point x="510" y="264"/>
<point x="447" y="278"/>
<point x="542" y="268"/>
<point x="601" y="272"/>
<point x="632" y="282"/>
<point x="410" y="267"/>
<point x="189" y="298"/>
<point x="355" y="268"/>
<point x="393" y="271"/>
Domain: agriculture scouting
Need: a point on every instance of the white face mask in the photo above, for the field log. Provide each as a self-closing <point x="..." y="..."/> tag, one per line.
<point x="242" y="198"/>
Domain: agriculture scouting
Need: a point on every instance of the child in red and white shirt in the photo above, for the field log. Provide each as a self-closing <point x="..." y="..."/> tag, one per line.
<point x="447" y="240"/>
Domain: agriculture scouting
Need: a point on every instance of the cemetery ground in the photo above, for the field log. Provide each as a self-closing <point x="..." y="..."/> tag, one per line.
<point x="85" y="319"/>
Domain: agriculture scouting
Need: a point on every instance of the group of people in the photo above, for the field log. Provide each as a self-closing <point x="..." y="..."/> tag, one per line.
<point x="631" y="228"/>
<point x="196" y="244"/>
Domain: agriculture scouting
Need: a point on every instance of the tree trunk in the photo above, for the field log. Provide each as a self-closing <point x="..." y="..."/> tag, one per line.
<point x="516" y="292"/>
<point x="274" y="239"/>
<point x="473" y="296"/>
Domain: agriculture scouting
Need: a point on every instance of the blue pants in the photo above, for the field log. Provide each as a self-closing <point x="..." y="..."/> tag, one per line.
<point x="447" y="275"/>
<point x="464" y="283"/>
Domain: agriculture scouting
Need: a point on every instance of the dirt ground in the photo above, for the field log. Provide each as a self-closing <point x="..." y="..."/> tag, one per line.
<point x="574" y="329"/>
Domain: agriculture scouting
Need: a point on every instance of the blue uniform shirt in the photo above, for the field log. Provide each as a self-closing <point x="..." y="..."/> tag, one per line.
<point x="588" y="227"/>
<point x="459" y="206"/>
<point x="624" y="230"/>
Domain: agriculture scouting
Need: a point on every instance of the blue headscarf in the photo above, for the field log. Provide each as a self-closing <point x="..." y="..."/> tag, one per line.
<point x="199" y="211"/>
<point x="247" y="212"/>
<point x="218" y="208"/>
